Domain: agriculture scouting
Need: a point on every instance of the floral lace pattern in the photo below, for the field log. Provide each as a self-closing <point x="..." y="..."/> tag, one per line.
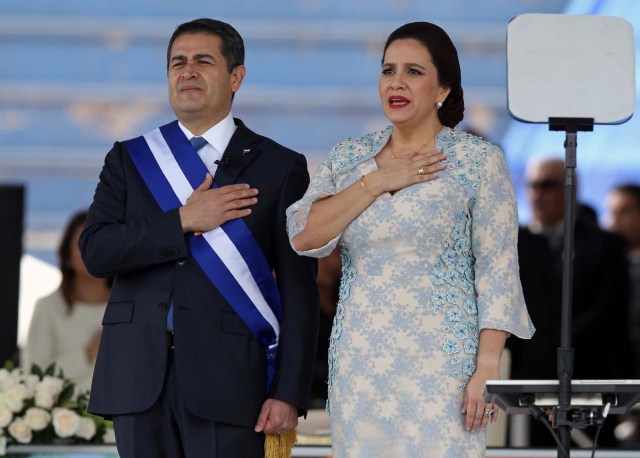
<point x="454" y="297"/>
<point x="424" y="271"/>
<point x="348" y="276"/>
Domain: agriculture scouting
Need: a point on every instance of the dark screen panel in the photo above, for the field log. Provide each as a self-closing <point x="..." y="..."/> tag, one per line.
<point x="11" y="226"/>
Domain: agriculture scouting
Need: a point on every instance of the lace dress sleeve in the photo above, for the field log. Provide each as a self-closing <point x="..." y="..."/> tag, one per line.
<point x="322" y="186"/>
<point x="495" y="246"/>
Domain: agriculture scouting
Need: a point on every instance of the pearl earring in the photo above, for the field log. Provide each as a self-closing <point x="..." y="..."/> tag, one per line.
<point x="439" y="105"/>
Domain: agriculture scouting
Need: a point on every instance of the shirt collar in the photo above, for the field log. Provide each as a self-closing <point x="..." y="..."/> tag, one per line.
<point x="547" y="230"/>
<point x="217" y="136"/>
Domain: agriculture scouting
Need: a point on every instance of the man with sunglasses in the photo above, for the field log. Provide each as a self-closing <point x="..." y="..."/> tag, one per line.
<point x="600" y="291"/>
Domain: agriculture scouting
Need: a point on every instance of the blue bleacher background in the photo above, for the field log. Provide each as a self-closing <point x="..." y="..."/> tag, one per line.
<point x="76" y="75"/>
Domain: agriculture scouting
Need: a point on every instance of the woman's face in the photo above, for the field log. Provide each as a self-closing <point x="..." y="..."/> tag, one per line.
<point x="409" y="86"/>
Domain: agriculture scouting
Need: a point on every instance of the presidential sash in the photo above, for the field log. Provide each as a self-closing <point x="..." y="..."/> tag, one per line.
<point x="229" y="255"/>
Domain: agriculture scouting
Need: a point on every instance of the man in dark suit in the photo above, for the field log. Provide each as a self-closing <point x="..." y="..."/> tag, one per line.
<point x="623" y="218"/>
<point x="209" y="335"/>
<point x="600" y="289"/>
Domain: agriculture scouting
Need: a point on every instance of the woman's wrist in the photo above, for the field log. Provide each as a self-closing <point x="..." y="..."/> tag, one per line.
<point x="369" y="185"/>
<point x="488" y="364"/>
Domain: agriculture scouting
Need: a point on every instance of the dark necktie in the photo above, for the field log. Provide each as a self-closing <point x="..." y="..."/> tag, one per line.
<point x="197" y="142"/>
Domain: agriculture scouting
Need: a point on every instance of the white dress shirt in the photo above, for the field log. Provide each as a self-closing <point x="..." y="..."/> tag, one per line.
<point x="218" y="138"/>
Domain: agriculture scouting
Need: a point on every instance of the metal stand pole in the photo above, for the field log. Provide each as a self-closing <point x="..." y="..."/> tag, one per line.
<point x="565" y="352"/>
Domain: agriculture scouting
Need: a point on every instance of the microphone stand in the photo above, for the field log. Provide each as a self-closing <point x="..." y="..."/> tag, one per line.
<point x="565" y="352"/>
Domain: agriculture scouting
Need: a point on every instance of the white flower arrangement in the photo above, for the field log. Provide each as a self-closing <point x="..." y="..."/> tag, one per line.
<point x="42" y="408"/>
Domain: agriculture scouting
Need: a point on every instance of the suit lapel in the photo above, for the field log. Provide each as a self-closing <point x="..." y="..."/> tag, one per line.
<point x="242" y="149"/>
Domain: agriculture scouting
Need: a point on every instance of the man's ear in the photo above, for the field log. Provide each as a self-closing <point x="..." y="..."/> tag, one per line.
<point x="237" y="76"/>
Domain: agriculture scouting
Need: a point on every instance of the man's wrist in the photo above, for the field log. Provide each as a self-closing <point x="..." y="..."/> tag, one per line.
<point x="184" y="220"/>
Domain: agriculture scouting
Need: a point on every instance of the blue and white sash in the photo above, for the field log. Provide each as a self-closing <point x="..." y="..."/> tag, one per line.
<point x="229" y="255"/>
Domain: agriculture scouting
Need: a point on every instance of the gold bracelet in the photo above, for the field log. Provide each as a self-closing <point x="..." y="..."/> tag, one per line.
<point x="365" y="188"/>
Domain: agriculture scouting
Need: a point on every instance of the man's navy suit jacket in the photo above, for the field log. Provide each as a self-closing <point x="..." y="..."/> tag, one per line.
<point x="219" y="363"/>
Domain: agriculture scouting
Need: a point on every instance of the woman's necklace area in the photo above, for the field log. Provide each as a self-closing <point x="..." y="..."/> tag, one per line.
<point x="394" y="155"/>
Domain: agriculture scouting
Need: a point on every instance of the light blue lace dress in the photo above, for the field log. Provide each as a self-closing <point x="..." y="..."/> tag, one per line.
<point x="423" y="272"/>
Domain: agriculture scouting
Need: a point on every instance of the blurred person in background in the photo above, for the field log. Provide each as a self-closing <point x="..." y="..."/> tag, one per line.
<point x="600" y="292"/>
<point x="67" y="324"/>
<point x="623" y="218"/>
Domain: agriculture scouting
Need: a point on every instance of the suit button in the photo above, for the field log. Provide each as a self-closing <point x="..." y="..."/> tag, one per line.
<point x="163" y="306"/>
<point x="182" y="262"/>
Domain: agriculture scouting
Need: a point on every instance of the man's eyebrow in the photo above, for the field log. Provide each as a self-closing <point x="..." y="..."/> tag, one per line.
<point x="179" y="57"/>
<point x="204" y="56"/>
<point x="182" y="57"/>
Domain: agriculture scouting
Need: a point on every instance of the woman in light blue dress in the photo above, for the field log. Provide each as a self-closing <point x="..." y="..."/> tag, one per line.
<point x="427" y="224"/>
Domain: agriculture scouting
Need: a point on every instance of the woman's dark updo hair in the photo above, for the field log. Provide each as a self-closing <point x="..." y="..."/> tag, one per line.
<point x="444" y="57"/>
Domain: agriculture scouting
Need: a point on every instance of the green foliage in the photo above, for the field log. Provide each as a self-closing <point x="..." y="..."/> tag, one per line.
<point x="35" y="369"/>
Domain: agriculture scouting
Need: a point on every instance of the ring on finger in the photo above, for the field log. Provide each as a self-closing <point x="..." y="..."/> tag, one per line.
<point x="421" y="171"/>
<point x="489" y="412"/>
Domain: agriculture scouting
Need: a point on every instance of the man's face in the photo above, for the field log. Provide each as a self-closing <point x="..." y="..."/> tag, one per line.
<point x="545" y="192"/>
<point x="200" y="85"/>
<point x="623" y="217"/>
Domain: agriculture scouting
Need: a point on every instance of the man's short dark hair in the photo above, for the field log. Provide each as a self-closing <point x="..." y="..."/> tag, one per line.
<point x="232" y="47"/>
<point x="631" y="189"/>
